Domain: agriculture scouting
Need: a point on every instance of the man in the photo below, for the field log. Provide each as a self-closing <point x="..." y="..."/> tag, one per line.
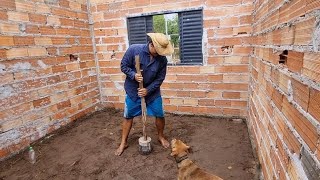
<point x="153" y="64"/>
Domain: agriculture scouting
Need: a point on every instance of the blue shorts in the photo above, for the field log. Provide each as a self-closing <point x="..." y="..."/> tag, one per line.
<point x="133" y="108"/>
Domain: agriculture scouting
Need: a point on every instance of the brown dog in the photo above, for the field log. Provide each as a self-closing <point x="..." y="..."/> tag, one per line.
<point x="188" y="170"/>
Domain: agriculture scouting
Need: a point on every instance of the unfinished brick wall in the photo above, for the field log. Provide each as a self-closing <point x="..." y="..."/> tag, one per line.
<point x="219" y="87"/>
<point x="284" y="100"/>
<point x="41" y="87"/>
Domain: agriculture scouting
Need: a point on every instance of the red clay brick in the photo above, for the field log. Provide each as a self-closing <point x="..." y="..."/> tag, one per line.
<point x="64" y="104"/>
<point x="223" y="3"/>
<point x="231" y="69"/>
<point x="64" y="13"/>
<point x="230" y="86"/>
<point x="6" y="41"/>
<point x="215" y="78"/>
<point x="294" y="61"/>
<point x="306" y="130"/>
<point x="185" y="109"/>
<point x="23" y="40"/>
<point x="198" y="94"/>
<point x="64" y="3"/>
<point x="277" y="98"/>
<point x="31" y="29"/>
<point x="25" y="6"/>
<point x="304" y="31"/>
<point x="311" y="66"/>
<point x="3" y="53"/>
<point x="182" y="93"/>
<point x="245" y="19"/>
<point x="41" y="102"/>
<point x="66" y="22"/>
<point x="211" y="23"/>
<point x="231" y="95"/>
<point x="10" y="4"/>
<point x="59" y="68"/>
<point x="3" y="15"/>
<point x="206" y="102"/>
<point x="300" y="93"/>
<point x="314" y="105"/>
<point x="47" y="30"/>
<point x="37" y="18"/>
<point x="231" y="111"/>
<point x="287" y="134"/>
<point x="312" y="5"/>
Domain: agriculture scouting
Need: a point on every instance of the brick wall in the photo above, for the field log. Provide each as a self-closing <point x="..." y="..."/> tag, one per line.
<point x="220" y="87"/>
<point x="284" y="97"/>
<point x="41" y="88"/>
<point x="261" y="60"/>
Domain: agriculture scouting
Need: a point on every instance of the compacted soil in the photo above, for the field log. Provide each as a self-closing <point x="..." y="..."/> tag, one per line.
<point x="85" y="150"/>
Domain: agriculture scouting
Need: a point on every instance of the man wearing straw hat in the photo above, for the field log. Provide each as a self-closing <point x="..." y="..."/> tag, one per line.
<point x="154" y="66"/>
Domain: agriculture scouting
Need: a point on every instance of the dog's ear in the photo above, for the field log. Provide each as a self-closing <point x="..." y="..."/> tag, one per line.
<point x="190" y="150"/>
<point x="186" y="147"/>
<point x="173" y="153"/>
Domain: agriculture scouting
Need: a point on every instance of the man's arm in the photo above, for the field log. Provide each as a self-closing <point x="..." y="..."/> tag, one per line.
<point x="159" y="79"/>
<point x="126" y="62"/>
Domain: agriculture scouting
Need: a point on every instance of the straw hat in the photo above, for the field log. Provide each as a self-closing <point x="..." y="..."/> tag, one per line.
<point x="161" y="44"/>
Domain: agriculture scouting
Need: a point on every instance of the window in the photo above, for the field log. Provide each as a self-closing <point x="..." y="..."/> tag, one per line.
<point x="184" y="29"/>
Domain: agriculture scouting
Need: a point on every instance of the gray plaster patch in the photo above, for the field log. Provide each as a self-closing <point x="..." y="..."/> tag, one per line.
<point x="92" y="73"/>
<point x="290" y="91"/>
<point x="118" y="85"/>
<point x="2" y="68"/>
<point x="8" y="136"/>
<point x="77" y="41"/>
<point x="22" y="27"/>
<point x="21" y="66"/>
<point x="316" y="36"/>
<point x="6" y="91"/>
<point x="51" y="2"/>
<point x="42" y="64"/>
<point x="309" y="165"/>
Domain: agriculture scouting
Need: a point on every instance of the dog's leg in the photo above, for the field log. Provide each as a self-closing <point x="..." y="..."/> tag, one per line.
<point x="180" y="175"/>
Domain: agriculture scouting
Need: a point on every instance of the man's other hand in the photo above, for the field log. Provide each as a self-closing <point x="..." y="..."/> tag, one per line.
<point x="142" y="92"/>
<point x="138" y="77"/>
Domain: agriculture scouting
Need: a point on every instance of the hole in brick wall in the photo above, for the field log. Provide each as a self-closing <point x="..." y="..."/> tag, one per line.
<point x="242" y="33"/>
<point x="73" y="57"/>
<point x="318" y="24"/>
<point x="227" y="49"/>
<point x="113" y="55"/>
<point x="283" y="57"/>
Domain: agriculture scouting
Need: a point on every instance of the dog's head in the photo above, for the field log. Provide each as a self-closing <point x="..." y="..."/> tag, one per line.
<point x="178" y="148"/>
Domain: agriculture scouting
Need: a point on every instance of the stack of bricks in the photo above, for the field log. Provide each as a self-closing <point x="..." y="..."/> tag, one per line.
<point x="219" y="87"/>
<point x="284" y="96"/>
<point x="47" y="69"/>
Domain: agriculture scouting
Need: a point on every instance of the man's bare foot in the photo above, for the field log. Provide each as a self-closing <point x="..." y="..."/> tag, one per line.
<point x="120" y="149"/>
<point x="164" y="142"/>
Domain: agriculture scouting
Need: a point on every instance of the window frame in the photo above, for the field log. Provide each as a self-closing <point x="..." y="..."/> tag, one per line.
<point x="171" y="12"/>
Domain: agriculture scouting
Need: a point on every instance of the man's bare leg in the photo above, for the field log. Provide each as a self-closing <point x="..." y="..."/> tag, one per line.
<point x="126" y="127"/>
<point x="160" y="122"/>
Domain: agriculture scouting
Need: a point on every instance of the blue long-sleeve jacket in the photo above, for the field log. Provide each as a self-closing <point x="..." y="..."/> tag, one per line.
<point x="154" y="72"/>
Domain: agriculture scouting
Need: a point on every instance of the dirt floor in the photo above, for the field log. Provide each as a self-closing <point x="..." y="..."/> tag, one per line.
<point x="85" y="150"/>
